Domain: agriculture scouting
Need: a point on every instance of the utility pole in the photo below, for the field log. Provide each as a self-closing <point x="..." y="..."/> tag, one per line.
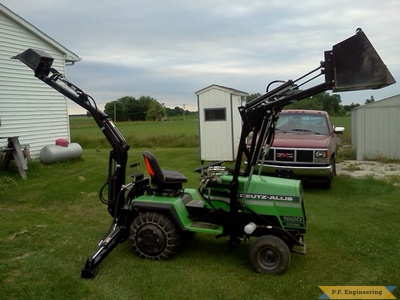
<point x="115" y="112"/>
<point x="184" y="111"/>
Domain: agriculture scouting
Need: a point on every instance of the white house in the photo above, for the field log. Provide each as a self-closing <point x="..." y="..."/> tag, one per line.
<point x="375" y="129"/>
<point x="29" y="108"/>
<point x="219" y="122"/>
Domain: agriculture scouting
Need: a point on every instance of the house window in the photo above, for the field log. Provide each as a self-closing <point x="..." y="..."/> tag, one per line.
<point x="215" y="114"/>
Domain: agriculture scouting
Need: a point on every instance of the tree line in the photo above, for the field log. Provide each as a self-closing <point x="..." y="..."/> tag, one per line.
<point x="145" y="108"/>
<point x="330" y="103"/>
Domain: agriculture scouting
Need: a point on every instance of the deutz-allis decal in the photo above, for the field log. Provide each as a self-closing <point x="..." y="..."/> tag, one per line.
<point x="271" y="197"/>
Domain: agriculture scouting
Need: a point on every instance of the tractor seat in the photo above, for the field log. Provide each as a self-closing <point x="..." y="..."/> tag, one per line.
<point x="162" y="180"/>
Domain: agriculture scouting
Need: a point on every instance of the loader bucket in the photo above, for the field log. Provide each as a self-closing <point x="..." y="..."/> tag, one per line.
<point x="355" y="65"/>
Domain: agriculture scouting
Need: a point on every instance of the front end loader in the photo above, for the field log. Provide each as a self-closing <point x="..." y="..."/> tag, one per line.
<point x="157" y="213"/>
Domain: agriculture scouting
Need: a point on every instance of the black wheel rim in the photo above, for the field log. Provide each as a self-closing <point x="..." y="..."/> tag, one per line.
<point x="269" y="258"/>
<point x="151" y="240"/>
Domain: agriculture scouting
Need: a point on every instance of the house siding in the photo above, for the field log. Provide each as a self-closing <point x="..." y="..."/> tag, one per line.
<point x="29" y="108"/>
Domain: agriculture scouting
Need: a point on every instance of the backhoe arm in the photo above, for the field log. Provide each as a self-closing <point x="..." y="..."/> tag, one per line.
<point x="40" y="62"/>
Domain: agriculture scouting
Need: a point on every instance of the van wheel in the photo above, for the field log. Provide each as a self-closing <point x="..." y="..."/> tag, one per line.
<point x="269" y="254"/>
<point x="154" y="236"/>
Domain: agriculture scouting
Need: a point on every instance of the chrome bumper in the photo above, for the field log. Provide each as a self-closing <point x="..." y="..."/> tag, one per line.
<point x="297" y="171"/>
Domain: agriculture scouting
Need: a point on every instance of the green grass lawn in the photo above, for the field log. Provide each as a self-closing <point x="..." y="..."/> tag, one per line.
<point x="173" y="133"/>
<point x="346" y="123"/>
<point x="51" y="222"/>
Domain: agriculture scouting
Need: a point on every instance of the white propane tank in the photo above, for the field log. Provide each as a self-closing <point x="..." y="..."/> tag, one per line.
<point x="55" y="153"/>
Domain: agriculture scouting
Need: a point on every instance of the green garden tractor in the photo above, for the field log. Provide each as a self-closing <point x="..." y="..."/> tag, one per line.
<point x="157" y="213"/>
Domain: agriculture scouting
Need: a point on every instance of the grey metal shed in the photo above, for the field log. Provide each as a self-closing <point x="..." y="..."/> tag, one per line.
<point x="375" y="129"/>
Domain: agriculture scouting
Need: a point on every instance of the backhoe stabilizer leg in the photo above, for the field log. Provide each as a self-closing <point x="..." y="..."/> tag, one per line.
<point x="88" y="270"/>
<point x="105" y="247"/>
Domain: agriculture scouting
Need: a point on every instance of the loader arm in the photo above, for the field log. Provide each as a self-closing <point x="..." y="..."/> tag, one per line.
<point x="352" y="64"/>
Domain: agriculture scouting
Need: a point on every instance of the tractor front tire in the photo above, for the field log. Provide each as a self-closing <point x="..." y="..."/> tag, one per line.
<point x="154" y="236"/>
<point x="269" y="254"/>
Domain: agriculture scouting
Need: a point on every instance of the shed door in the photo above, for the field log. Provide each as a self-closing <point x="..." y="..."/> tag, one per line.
<point x="216" y="134"/>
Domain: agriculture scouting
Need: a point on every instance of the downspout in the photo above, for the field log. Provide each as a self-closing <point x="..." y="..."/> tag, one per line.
<point x="65" y="98"/>
<point x="232" y="131"/>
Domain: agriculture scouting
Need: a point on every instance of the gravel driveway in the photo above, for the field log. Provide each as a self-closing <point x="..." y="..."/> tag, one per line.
<point x="375" y="169"/>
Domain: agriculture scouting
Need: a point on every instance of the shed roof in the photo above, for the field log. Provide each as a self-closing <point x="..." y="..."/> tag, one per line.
<point x="69" y="55"/>
<point x="223" y="88"/>
<point x="393" y="101"/>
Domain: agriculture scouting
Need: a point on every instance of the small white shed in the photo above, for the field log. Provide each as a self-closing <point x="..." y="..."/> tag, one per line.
<point x="29" y="108"/>
<point x="375" y="129"/>
<point x="219" y="122"/>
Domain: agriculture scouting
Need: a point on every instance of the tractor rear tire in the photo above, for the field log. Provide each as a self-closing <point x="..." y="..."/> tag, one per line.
<point x="269" y="254"/>
<point x="154" y="236"/>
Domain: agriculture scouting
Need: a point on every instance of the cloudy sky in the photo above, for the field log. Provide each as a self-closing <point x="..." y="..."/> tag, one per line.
<point x="170" y="49"/>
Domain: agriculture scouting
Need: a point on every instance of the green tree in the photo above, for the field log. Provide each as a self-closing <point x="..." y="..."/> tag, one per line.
<point x="307" y="103"/>
<point x="145" y="102"/>
<point x="252" y="97"/>
<point x="129" y="108"/>
<point x="176" y="111"/>
<point x="322" y="101"/>
<point x="126" y="102"/>
<point x="156" y="111"/>
<point x="119" y="110"/>
<point x="330" y="103"/>
<point x="134" y="111"/>
<point x="351" y="106"/>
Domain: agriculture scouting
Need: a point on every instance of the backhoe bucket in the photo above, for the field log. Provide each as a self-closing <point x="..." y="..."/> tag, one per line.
<point x="39" y="61"/>
<point x="354" y="64"/>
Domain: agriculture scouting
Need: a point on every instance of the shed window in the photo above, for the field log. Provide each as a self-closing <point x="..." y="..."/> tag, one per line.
<point x="214" y="114"/>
